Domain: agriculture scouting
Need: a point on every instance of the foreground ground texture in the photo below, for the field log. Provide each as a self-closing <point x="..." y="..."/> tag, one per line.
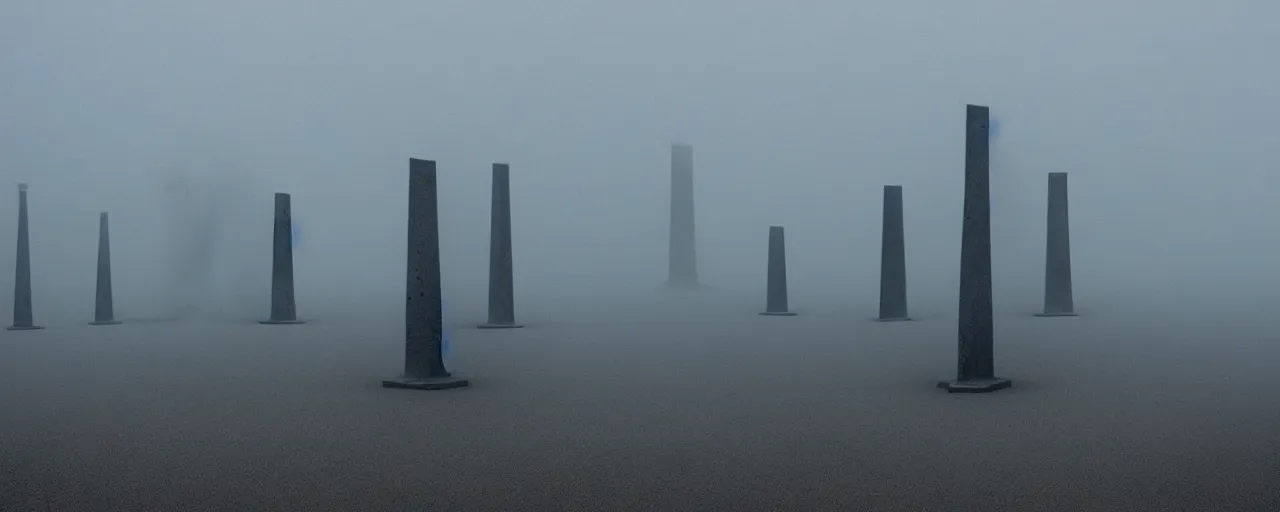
<point x="691" y="404"/>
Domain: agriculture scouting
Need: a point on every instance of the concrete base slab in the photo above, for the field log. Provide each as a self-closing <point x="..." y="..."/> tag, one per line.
<point x="24" y="327"/>
<point x="895" y="319"/>
<point x="428" y="383"/>
<point x="778" y="313"/>
<point x="281" y="322"/>
<point x="499" y="326"/>
<point x="106" y="322"/>
<point x="1050" y="315"/>
<point x="975" y="385"/>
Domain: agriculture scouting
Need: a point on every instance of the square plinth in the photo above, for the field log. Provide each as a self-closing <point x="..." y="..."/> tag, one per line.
<point x="975" y="385"/>
<point x="281" y="322"/>
<point x="895" y="319"/>
<point x="25" y="327"/>
<point x="1050" y="315"/>
<point x="499" y="326"/>
<point x="427" y="383"/>
<point x="778" y="313"/>
<point x="105" y="322"/>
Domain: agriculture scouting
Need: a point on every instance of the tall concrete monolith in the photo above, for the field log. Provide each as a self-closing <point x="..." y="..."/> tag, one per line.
<point x="502" y="302"/>
<point x="893" y="259"/>
<point x="22" y="309"/>
<point x="104" y="311"/>
<point x="423" y="320"/>
<point x="682" y="269"/>
<point x="776" y="295"/>
<point x="1058" y="300"/>
<point x="284" y="307"/>
<point x="976" y="357"/>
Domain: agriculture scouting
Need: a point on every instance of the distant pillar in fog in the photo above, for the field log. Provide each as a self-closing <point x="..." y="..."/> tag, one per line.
<point x="976" y="365"/>
<point x="1058" y="300"/>
<point x="682" y="256"/>
<point x="22" y="315"/>
<point x="284" y="308"/>
<point x="776" y="298"/>
<point x="104" y="312"/>
<point x="893" y="259"/>
<point x="502" y="304"/>
<point x="423" y="321"/>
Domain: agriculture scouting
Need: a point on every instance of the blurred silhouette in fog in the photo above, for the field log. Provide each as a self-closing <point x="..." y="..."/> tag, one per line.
<point x="206" y="206"/>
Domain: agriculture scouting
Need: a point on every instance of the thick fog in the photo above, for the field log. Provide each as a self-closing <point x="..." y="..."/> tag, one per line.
<point x="182" y="120"/>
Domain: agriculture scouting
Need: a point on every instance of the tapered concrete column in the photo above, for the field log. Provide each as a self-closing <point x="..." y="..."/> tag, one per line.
<point x="682" y="251"/>
<point x="976" y="361"/>
<point x="893" y="259"/>
<point x="1058" y="300"/>
<point x="423" y="320"/>
<point x="104" y="311"/>
<point x="776" y="298"/>
<point x="502" y="302"/>
<point x="22" y="309"/>
<point x="284" y="308"/>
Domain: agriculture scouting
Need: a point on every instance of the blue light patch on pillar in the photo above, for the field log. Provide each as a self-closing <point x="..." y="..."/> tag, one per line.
<point x="444" y="341"/>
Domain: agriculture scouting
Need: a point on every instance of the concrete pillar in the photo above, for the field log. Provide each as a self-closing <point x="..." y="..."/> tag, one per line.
<point x="776" y="298"/>
<point x="502" y="303"/>
<point x="284" y="308"/>
<point x="22" y="309"/>
<point x="1058" y="300"/>
<point x="682" y="251"/>
<point x="423" y="320"/>
<point x="104" y="312"/>
<point x="976" y="361"/>
<point x="893" y="259"/>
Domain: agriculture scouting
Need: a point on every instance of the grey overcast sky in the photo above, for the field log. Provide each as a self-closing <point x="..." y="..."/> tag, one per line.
<point x="1164" y="114"/>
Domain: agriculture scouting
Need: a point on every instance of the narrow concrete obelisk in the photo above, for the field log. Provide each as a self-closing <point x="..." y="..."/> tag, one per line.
<point x="104" y="312"/>
<point x="22" y="314"/>
<point x="893" y="259"/>
<point x="423" y="321"/>
<point x="1058" y="300"/>
<point x="976" y="361"/>
<point x="682" y="270"/>
<point x="776" y="295"/>
<point x="284" y="308"/>
<point x="502" y="302"/>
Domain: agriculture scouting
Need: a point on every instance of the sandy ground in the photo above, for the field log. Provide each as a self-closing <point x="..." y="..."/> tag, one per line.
<point x="693" y="403"/>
